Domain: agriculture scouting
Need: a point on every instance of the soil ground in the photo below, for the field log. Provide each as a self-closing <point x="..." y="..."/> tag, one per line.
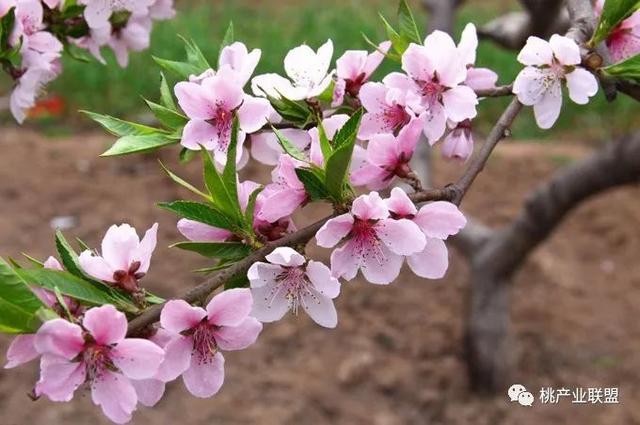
<point x="396" y="356"/>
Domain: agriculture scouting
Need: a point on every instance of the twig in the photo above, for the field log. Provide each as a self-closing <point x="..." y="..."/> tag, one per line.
<point x="496" y="91"/>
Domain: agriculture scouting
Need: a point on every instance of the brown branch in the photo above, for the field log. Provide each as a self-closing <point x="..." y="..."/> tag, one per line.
<point x="496" y="91"/>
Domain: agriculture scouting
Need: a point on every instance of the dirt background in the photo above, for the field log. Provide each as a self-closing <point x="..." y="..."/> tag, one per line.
<point x="396" y="356"/>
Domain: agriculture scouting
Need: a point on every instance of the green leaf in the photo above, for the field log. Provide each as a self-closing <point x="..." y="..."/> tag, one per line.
<point x="325" y="145"/>
<point x="68" y="256"/>
<point x="184" y="183"/>
<point x="613" y="12"/>
<point x="229" y="173"/>
<point x="122" y="128"/>
<point x="199" y="212"/>
<point x="153" y="299"/>
<point x="294" y="112"/>
<point x="74" y="52"/>
<point x="187" y="155"/>
<point x="223" y="250"/>
<point x="195" y="56"/>
<point x="227" y="40"/>
<point x="138" y="144"/>
<point x="180" y="69"/>
<point x="67" y="284"/>
<point x="288" y="147"/>
<point x="628" y="69"/>
<point x="349" y="131"/>
<point x="313" y="181"/>
<point x="221" y="196"/>
<point x="18" y="304"/>
<point x="407" y="24"/>
<point x="168" y="117"/>
<point x="400" y="43"/>
<point x="6" y="27"/>
<point x="393" y="56"/>
<point x="338" y="169"/>
<point x="166" y="98"/>
<point x="251" y="206"/>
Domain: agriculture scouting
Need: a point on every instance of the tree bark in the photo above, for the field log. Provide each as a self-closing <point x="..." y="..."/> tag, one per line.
<point x="498" y="256"/>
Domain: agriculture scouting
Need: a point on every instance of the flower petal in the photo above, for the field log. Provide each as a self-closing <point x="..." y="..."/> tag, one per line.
<point x="536" y="52"/>
<point x="59" y="378"/>
<point x="200" y="232"/>
<point x="402" y="237"/>
<point x="320" y="309"/>
<point x="269" y="303"/>
<point x="261" y="274"/>
<point x="21" y="350"/>
<point x="199" y="133"/>
<point x="334" y="230"/>
<point x="230" y="307"/>
<point x="369" y="207"/>
<point x="96" y="266"/>
<point x="460" y="103"/>
<point x="239" y="337"/>
<point x="193" y="100"/>
<point x="253" y="113"/>
<point x="320" y="277"/>
<point x="178" y="316"/>
<point x="400" y="204"/>
<point x="565" y="50"/>
<point x="115" y="395"/>
<point x="60" y="338"/>
<point x="345" y="262"/>
<point x="547" y="110"/>
<point x="440" y="219"/>
<point x="137" y="358"/>
<point x="381" y="269"/>
<point x="204" y="379"/>
<point x="149" y="391"/>
<point x="145" y="249"/>
<point x="582" y="85"/>
<point x="106" y="324"/>
<point x="119" y="245"/>
<point x="286" y="256"/>
<point x="432" y="262"/>
<point x="177" y="358"/>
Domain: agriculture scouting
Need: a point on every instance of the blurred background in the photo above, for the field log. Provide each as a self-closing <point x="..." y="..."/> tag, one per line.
<point x="397" y="354"/>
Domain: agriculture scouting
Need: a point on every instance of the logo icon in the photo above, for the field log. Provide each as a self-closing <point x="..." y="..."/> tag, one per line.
<point x="519" y="393"/>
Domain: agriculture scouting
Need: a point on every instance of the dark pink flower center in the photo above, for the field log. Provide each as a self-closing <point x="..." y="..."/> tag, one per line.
<point x="128" y="279"/>
<point x="395" y="117"/>
<point x="204" y="341"/>
<point x="431" y="90"/>
<point x="222" y="120"/>
<point x="97" y="359"/>
<point x="364" y="240"/>
<point x="292" y="284"/>
<point x="353" y="86"/>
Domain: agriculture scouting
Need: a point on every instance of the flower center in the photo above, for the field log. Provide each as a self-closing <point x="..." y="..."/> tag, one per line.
<point x="431" y="90"/>
<point x="97" y="359"/>
<point x="293" y="285"/>
<point x="222" y="120"/>
<point x="365" y="240"/>
<point x="128" y="279"/>
<point x="396" y="117"/>
<point x="204" y="341"/>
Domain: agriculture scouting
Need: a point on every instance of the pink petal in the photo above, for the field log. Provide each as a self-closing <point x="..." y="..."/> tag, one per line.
<point x="402" y="237"/>
<point x="440" y="219"/>
<point x="280" y="203"/>
<point x="137" y="358"/>
<point x="115" y="395"/>
<point x="400" y="204"/>
<point x="382" y="269"/>
<point x="351" y="64"/>
<point x="97" y="13"/>
<point x="239" y="337"/>
<point x="320" y="309"/>
<point x="536" y="52"/>
<point x="435" y="123"/>
<point x="417" y="62"/>
<point x="448" y="63"/>
<point x="21" y="350"/>
<point x="375" y="58"/>
<point x="285" y="256"/>
<point x="269" y="303"/>
<point x="345" y="262"/>
<point x="240" y="60"/>
<point x="565" y="50"/>
<point x="530" y="85"/>
<point x="96" y="266"/>
<point x="369" y="207"/>
<point x="253" y="113"/>
<point x="224" y="93"/>
<point x="60" y="338"/>
<point x="146" y="247"/>
<point x="178" y="316"/>
<point x="460" y="103"/>
<point x="547" y="110"/>
<point x="372" y="176"/>
<point x="320" y="277"/>
<point x="409" y="136"/>
<point x="382" y="151"/>
<point x="149" y="391"/>
<point x="458" y="144"/>
<point x="106" y="324"/>
<point x="119" y="245"/>
<point x="177" y="358"/>
<point x="334" y="230"/>
<point x="432" y="262"/>
<point x="199" y="133"/>
<point x="481" y="78"/>
<point x="468" y="44"/>
<point x="59" y="378"/>
<point x="261" y="274"/>
<point x="52" y="264"/>
<point x="230" y="307"/>
<point x="372" y="96"/>
<point x="204" y="379"/>
<point x="193" y="100"/>
<point x="582" y="85"/>
<point x="200" y="232"/>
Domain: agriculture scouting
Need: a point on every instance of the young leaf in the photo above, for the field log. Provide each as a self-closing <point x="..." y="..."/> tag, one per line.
<point x="184" y="183"/>
<point x="628" y="69"/>
<point x="229" y="174"/>
<point x="199" y="212"/>
<point x="349" y="131"/>
<point x="613" y="12"/>
<point x="195" y="55"/>
<point x="337" y="170"/>
<point x="251" y="206"/>
<point x="18" y="304"/>
<point x="313" y="182"/>
<point x="121" y="128"/>
<point x="222" y="250"/>
<point x="168" y="117"/>
<point x="181" y="69"/>
<point x="221" y="196"/>
<point x="407" y="24"/>
<point x="288" y="147"/>
<point x="187" y="155"/>
<point x="325" y="145"/>
<point x="68" y="256"/>
<point x="138" y="144"/>
<point x="166" y="98"/>
<point x="400" y="43"/>
<point x="389" y="55"/>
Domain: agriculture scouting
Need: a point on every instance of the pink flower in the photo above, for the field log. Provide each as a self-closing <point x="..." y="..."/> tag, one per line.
<point x="458" y="144"/>
<point x="308" y="72"/>
<point x="161" y="10"/>
<point x="288" y="282"/>
<point x="435" y="75"/>
<point x="211" y="107"/>
<point x="135" y="37"/>
<point x="437" y="220"/>
<point x="198" y="336"/>
<point x="548" y="64"/>
<point x="388" y="110"/>
<point x="373" y="242"/>
<point x="624" y="41"/>
<point x="237" y="57"/>
<point x="477" y="78"/>
<point x="266" y="149"/>
<point x="98" y="12"/>
<point x="5" y="6"/>
<point x="331" y="126"/>
<point x="150" y="390"/>
<point x="125" y="258"/>
<point x="388" y="156"/>
<point x="287" y="193"/>
<point x="354" y="68"/>
<point x="94" y="41"/>
<point x="98" y="353"/>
